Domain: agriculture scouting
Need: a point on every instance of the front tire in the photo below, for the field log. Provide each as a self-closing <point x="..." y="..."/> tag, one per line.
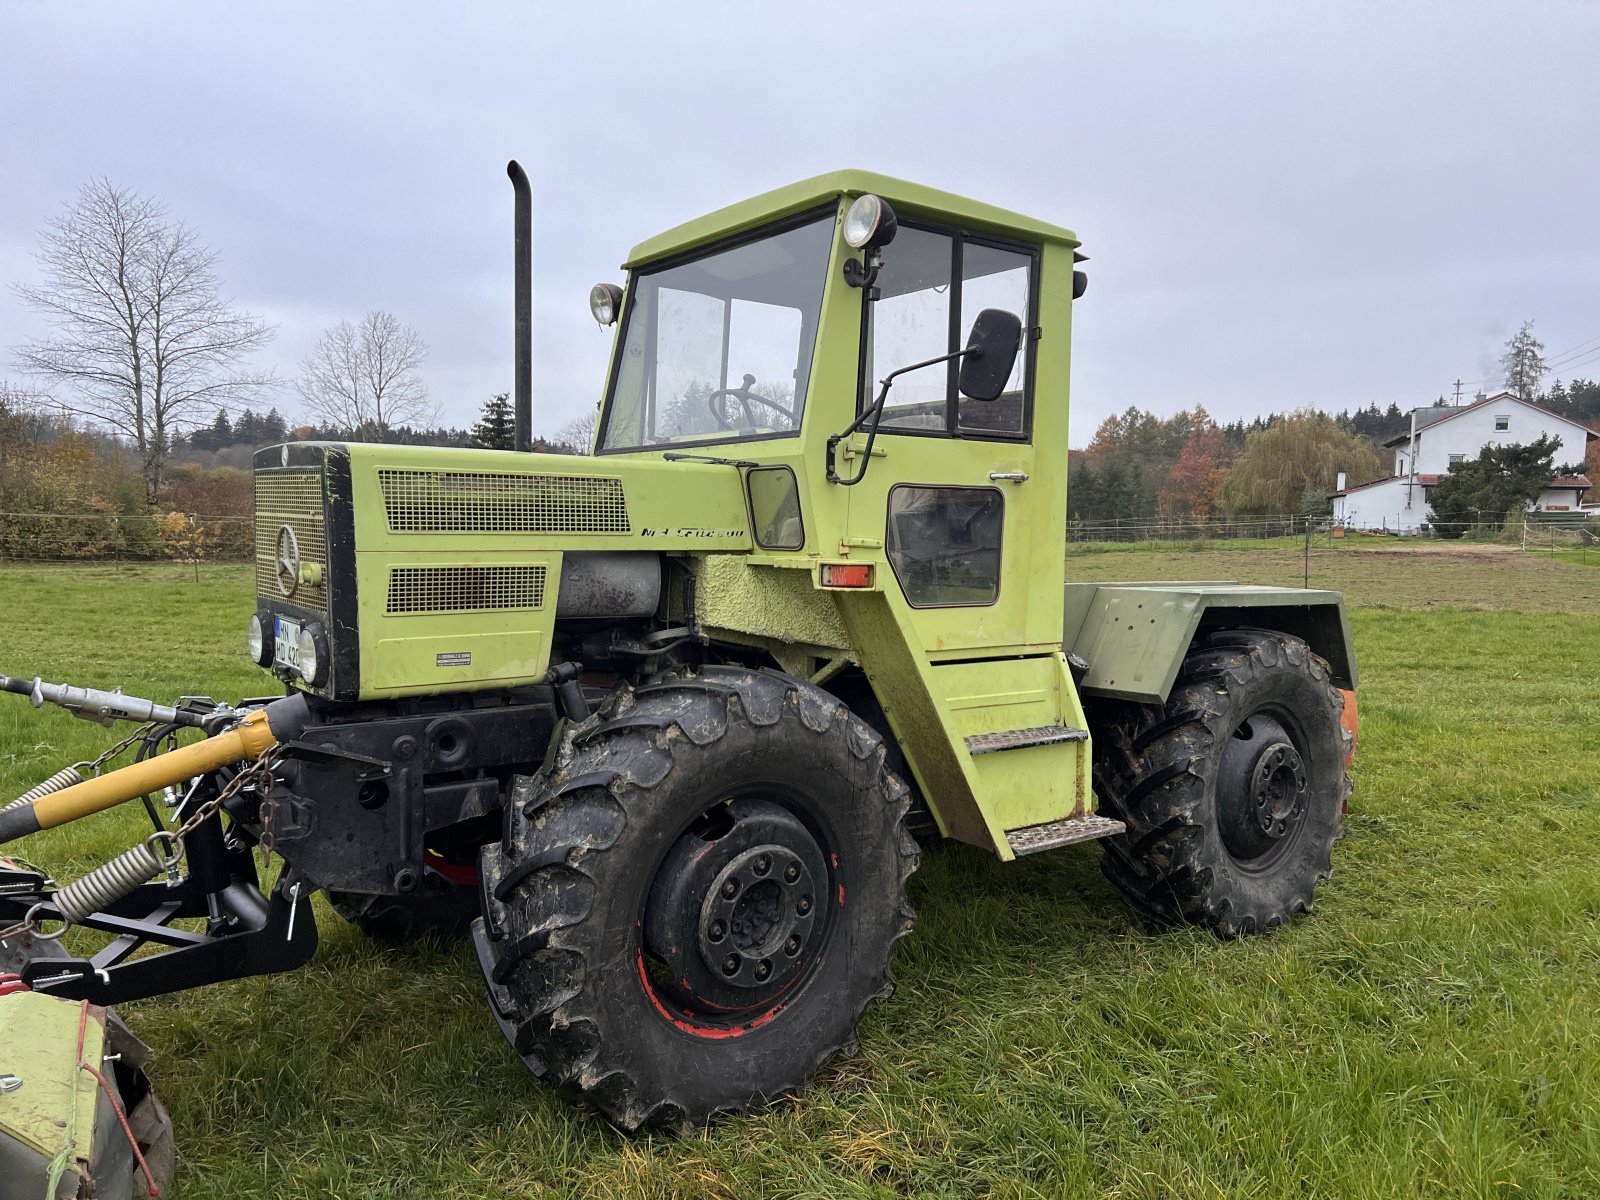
<point x="691" y="909"/>
<point x="1233" y="793"/>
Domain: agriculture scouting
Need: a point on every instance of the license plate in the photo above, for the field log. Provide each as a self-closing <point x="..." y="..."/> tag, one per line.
<point x="286" y="650"/>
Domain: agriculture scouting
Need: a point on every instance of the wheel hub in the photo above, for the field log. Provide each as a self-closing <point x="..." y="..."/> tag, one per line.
<point x="1278" y="788"/>
<point x="736" y="912"/>
<point x="757" y="916"/>
<point x="1262" y="790"/>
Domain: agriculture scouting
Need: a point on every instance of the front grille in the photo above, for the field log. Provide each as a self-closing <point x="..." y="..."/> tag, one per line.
<point x="292" y="498"/>
<point x="464" y="589"/>
<point x="483" y="502"/>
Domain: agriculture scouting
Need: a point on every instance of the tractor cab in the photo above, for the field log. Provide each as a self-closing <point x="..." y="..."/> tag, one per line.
<point x="885" y="366"/>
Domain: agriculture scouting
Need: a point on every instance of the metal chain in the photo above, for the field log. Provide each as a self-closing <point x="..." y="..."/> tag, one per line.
<point x="141" y="732"/>
<point x="261" y="767"/>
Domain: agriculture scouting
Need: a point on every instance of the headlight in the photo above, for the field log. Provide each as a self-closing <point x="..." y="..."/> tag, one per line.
<point x="257" y="641"/>
<point x="869" y="222"/>
<point x="313" y="665"/>
<point x="605" y="302"/>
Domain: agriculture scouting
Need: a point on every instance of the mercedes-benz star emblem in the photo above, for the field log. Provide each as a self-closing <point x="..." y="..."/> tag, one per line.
<point x="288" y="568"/>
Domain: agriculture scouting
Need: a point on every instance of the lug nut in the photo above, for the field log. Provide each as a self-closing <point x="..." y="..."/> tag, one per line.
<point x="730" y="889"/>
<point x="763" y="969"/>
<point x="763" y="864"/>
<point x="791" y="873"/>
<point x="717" y="932"/>
<point x="792" y="946"/>
<point x="730" y="965"/>
<point x="803" y="906"/>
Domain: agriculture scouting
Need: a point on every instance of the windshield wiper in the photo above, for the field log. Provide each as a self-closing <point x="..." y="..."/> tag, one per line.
<point x="721" y="462"/>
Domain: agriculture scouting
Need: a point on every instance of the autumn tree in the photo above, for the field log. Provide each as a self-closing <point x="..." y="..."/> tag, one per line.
<point x="142" y="340"/>
<point x="1305" y="449"/>
<point x="1524" y="362"/>
<point x="366" y="377"/>
<point x="1193" y="487"/>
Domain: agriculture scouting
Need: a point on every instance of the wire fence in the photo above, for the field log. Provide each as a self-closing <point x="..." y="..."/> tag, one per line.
<point x="1154" y="529"/>
<point x="121" y="537"/>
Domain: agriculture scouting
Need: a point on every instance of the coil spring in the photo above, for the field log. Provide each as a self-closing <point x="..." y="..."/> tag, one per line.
<point x="108" y="883"/>
<point x="60" y="781"/>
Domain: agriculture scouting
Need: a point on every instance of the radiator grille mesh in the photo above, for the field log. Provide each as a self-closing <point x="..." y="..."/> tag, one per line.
<point x="292" y="498"/>
<point x="481" y="502"/>
<point x="464" y="589"/>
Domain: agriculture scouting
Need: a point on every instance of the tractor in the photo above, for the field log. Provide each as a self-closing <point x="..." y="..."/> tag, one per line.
<point x="667" y="726"/>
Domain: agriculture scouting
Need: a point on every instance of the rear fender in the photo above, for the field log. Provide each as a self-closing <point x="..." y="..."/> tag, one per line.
<point x="1134" y="635"/>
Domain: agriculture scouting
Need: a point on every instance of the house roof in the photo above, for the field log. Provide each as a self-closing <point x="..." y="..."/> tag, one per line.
<point x="1580" y="482"/>
<point x="1425" y="480"/>
<point x="1434" y="414"/>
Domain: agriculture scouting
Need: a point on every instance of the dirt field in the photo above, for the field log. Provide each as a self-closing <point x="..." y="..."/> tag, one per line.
<point x="1420" y="575"/>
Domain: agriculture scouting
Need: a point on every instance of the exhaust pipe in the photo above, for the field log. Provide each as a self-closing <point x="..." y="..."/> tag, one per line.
<point x="522" y="225"/>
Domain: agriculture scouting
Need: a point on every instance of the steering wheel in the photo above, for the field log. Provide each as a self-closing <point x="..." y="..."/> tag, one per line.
<point x="743" y="395"/>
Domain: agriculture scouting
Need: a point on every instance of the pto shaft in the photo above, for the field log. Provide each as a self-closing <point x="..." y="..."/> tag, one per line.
<point x="259" y="731"/>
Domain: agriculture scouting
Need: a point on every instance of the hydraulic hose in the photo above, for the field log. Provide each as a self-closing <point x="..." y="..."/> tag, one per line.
<point x="260" y="730"/>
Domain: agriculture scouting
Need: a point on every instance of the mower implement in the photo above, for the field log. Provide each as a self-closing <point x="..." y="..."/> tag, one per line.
<point x="658" y="723"/>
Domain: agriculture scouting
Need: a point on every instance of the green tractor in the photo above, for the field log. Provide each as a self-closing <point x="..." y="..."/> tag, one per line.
<point x="665" y="724"/>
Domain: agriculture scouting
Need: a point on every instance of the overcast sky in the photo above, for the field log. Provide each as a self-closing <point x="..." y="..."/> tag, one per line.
<point x="1284" y="203"/>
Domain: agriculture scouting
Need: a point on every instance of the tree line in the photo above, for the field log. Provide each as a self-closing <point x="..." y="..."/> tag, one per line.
<point x="1140" y="467"/>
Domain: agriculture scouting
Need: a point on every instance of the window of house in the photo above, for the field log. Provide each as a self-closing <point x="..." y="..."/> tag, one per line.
<point x="1502" y="423"/>
<point x="1457" y="458"/>
<point x="932" y="286"/>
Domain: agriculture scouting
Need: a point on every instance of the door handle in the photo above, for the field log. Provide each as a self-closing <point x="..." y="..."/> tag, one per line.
<point x="1013" y="476"/>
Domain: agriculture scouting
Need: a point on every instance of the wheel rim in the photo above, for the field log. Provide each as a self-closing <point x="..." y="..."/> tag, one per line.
<point x="1263" y="791"/>
<point x="736" y="915"/>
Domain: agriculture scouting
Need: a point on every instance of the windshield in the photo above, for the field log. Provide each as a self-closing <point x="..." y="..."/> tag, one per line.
<point x="719" y="349"/>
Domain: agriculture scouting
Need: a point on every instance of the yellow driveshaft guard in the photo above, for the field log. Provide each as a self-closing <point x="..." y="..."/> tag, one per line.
<point x="254" y="735"/>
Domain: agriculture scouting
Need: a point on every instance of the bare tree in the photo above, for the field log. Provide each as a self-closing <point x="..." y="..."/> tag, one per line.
<point x="143" y="341"/>
<point x="578" y="434"/>
<point x="1524" y="363"/>
<point x="366" y="375"/>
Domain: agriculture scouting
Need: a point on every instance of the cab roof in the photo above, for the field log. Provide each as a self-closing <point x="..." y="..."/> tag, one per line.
<point x="910" y="199"/>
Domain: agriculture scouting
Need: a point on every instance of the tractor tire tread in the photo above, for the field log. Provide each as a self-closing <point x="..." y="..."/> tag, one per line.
<point x="575" y="813"/>
<point x="1152" y="767"/>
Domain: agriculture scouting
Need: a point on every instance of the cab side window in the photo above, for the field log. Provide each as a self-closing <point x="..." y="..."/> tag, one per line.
<point x="931" y="289"/>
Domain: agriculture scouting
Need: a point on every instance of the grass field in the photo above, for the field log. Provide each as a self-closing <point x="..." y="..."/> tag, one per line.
<point x="1430" y="1031"/>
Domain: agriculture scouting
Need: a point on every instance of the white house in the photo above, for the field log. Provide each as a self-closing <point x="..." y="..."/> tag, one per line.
<point x="1440" y="436"/>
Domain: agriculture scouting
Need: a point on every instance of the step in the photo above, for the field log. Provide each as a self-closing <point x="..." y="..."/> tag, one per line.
<point x="1018" y="739"/>
<point x="1033" y="838"/>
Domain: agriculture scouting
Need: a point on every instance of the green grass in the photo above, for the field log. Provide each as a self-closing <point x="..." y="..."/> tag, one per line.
<point x="1429" y="1031"/>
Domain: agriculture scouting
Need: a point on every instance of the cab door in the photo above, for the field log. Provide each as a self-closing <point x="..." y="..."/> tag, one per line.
<point x="946" y="494"/>
<point x="969" y="549"/>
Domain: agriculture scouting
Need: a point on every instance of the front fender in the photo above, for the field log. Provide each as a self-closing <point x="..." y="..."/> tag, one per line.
<point x="1134" y="635"/>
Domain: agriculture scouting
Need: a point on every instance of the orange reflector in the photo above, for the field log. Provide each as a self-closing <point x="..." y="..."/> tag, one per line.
<point x="847" y="575"/>
<point x="1351" y="720"/>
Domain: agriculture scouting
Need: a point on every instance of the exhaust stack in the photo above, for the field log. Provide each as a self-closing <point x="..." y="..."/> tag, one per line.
<point x="522" y="225"/>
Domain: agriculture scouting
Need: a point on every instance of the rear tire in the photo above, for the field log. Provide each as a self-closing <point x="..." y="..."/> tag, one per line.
<point x="692" y="907"/>
<point x="1233" y="793"/>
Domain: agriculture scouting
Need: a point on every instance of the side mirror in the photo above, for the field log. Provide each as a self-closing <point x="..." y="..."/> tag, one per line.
<point x="991" y="353"/>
